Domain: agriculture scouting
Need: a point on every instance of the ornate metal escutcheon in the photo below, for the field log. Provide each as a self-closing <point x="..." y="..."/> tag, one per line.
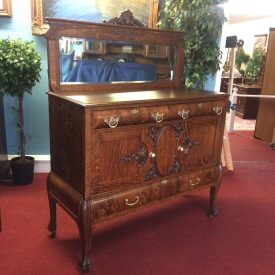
<point x="140" y="157"/>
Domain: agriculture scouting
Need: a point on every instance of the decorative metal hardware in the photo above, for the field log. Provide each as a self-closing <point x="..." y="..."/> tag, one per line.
<point x="195" y="182"/>
<point x="140" y="157"/>
<point x="183" y="114"/>
<point x="158" y="117"/>
<point x="164" y="181"/>
<point x="217" y="110"/>
<point x="112" y="121"/>
<point x="152" y="155"/>
<point x="134" y="111"/>
<point x="132" y="203"/>
<point x="187" y="145"/>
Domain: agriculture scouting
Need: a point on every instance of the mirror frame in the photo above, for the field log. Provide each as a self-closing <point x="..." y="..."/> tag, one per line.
<point x="40" y="28"/>
<point x="87" y="30"/>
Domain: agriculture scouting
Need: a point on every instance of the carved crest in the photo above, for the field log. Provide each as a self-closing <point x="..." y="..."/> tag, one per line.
<point x="126" y="18"/>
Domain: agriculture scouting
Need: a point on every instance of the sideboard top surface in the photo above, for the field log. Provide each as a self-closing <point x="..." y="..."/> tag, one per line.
<point x="139" y="97"/>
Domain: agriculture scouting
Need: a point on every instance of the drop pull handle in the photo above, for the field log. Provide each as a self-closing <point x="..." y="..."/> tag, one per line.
<point x="158" y="117"/>
<point x="132" y="203"/>
<point x="112" y="121"/>
<point x="196" y="182"/>
<point x="183" y="114"/>
<point x="217" y="110"/>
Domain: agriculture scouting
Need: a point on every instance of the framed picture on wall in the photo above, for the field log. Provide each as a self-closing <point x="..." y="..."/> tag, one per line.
<point x="5" y="8"/>
<point x="260" y="41"/>
<point x="93" y="10"/>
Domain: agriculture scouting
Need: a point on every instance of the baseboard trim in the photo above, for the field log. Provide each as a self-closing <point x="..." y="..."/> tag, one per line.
<point x="41" y="165"/>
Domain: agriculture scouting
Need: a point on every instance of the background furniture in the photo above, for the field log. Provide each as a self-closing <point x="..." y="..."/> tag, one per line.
<point x="266" y="114"/>
<point x="225" y="81"/>
<point x="122" y="146"/>
<point x="247" y="108"/>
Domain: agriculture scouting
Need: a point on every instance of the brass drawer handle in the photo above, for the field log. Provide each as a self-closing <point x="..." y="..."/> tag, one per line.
<point x="134" y="111"/>
<point x="158" y="117"/>
<point x="112" y="121"/>
<point x="183" y="114"/>
<point x="132" y="203"/>
<point x="164" y="181"/>
<point x="152" y="155"/>
<point x="217" y="110"/>
<point x="194" y="183"/>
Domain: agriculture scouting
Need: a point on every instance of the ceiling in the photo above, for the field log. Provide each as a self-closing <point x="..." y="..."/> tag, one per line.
<point x="244" y="10"/>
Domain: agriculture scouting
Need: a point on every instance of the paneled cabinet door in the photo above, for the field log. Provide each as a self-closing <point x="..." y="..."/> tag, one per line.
<point x="165" y="150"/>
<point x="201" y="147"/>
<point x="120" y="158"/>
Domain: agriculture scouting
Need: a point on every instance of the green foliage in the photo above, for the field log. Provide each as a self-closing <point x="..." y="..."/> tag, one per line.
<point x="254" y="65"/>
<point x="201" y="21"/>
<point x="241" y="57"/>
<point x="20" y="67"/>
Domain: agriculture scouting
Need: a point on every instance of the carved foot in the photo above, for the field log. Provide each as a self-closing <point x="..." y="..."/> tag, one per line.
<point x="52" y="229"/>
<point x="85" y="265"/>
<point x="213" y="212"/>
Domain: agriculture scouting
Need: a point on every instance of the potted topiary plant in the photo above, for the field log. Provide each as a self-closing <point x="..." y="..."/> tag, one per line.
<point x="20" y="67"/>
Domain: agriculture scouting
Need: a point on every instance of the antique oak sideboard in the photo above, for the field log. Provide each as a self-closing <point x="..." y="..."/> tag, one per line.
<point x="124" y="133"/>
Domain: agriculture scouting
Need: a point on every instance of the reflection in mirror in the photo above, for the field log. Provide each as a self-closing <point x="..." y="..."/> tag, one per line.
<point x="98" y="61"/>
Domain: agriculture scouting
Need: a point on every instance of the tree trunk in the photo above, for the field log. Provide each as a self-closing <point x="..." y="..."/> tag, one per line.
<point x="21" y="128"/>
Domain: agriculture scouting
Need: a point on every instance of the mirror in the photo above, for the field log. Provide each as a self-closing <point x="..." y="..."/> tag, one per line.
<point x="106" y="61"/>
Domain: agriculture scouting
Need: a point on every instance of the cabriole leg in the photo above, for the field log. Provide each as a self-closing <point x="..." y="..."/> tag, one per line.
<point x="84" y="227"/>
<point x="52" y="224"/>
<point x="212" y="212"/>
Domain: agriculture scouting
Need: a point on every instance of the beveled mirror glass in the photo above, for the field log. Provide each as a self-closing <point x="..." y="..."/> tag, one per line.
<point x="107" y="61"/>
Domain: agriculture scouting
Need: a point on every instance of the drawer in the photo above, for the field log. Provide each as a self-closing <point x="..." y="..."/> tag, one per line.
<point x="119" y="202"/>
<point x="185" y="111"/>
<point x="197" y="180"/>
<point x="136" y="115"/>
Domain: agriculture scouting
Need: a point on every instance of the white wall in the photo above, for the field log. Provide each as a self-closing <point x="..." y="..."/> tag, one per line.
<point x="248" y="29"/>
<point x="245" y="31"/>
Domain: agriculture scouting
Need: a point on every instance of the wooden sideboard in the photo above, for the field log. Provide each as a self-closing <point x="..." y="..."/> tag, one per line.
<point x="247" y="108"/>
<point x="120" y="147"/>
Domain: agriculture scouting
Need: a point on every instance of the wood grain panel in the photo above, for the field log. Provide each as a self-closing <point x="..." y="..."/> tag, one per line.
<point x="265" y="122"/>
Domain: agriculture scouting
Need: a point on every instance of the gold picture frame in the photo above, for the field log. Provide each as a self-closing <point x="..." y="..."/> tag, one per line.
<point x="39" y="27"/>
<point x="5" y="8"/>
<point x="260" y="41"/>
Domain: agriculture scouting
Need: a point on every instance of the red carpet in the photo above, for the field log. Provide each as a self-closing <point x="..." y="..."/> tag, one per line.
<point x="175" y="238"/>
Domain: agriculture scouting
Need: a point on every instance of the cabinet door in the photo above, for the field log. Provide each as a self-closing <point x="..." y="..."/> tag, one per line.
<point x="201" y="146"/>
<point x="164" y="153"/>
<point x="120" y="157"/>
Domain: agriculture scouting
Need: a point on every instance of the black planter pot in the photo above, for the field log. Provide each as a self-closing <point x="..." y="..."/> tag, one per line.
<point x="22" y="173"/>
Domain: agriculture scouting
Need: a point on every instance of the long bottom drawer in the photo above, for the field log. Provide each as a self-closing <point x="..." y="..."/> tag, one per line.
<point x="116" y="203"/>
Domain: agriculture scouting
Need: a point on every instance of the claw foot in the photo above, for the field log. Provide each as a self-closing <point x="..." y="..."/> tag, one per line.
<point x="213" y="212"/>
<point x="85" y="265"/>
